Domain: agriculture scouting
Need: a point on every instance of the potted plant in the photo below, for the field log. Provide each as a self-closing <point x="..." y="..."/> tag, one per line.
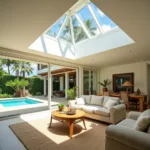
<point x="72" y="93"/>
<point x="60" y="107"/>
<point x="104" y="85"/>
<point x="18" y="86"/>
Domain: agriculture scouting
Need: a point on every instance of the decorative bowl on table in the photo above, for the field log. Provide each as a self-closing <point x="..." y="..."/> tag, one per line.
<point x="71" y="112"/>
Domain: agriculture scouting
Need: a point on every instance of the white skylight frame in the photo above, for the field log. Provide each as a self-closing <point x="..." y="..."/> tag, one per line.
<point x="73" y="11"/>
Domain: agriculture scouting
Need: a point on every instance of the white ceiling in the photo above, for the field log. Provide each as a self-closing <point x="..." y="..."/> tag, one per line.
<point x="23" y="21"/>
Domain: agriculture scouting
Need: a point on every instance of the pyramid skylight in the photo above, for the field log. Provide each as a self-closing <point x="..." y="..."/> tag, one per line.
<point x="81" y="23"/>
<point x="82" y="31"/>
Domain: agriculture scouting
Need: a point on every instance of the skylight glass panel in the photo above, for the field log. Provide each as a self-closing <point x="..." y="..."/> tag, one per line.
<point x="53" y="31"/>
<point x="66" y="32"/>
<point x="88" y="20"/>
<point x="106" y="23"/>
<point x="79" y="34"/>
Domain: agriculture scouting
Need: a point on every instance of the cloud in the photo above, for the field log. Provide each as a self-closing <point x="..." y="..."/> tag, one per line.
<point x="106" y="27"/>
<point x="100" y="12"/>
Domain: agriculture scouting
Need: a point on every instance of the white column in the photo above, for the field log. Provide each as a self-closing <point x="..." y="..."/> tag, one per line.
<point x="49" y="86"/>
<point x="80" y="81"/>
<point x="61" y="83"/>
<point x="44" y="85"/>
<point x="77" y="81"/>
<point x="66" y="83"/>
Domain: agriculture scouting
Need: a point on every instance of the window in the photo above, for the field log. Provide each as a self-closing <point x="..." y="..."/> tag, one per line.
<point x="66" y="32"/>
<point x="88" y="21"/>
<point x="53" y="31"/>
<point x="79" y="33"/>
<point x="106" y="23"/>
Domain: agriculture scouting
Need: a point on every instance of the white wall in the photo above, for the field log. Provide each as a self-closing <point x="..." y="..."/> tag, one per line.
<point x="139" y="70"/>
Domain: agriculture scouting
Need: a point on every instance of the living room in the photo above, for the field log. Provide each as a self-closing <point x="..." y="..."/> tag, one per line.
<point x="101" y="40"/>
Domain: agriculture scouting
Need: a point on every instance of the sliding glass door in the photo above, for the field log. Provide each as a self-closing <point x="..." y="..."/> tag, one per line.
<point x="89" y="82"/>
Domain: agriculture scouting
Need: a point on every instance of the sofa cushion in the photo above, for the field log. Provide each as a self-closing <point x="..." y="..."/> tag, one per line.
<point x="109" y="104"/>
<point x="106" y="98"/>
<point x="129" y="123"/>
<point x="143" y="121"/>
<point x="97" y="100"/>
<point x="80" y="101"/>
<point x="87" y="98"/>
<point x="80" y="107"/>
<point x="90" y="108"/>
<point x="102" y="111"/>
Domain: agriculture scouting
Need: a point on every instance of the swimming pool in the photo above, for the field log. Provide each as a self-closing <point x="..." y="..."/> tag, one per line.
<point x="18" y="102"/>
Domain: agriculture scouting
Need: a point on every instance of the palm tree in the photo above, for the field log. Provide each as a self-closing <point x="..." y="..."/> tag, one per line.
<point x="89" y="24"/>
<point x="16" y="67"/>
<point x="8" y="63"/>
<point x="25" y="67"/>
<point x="79" y="33"/>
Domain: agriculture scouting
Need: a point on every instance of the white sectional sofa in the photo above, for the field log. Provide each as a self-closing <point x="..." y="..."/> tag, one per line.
<point x="95" y="108"/>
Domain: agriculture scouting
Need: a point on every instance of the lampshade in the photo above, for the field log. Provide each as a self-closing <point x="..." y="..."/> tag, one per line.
<point x="127" y="83"/>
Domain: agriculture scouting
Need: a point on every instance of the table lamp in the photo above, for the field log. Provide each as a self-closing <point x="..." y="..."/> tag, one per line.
<point x="127" y="84"/>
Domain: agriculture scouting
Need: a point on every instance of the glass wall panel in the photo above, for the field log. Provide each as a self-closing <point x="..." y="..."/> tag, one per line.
<point x="79" y="34"/>
<point x="66" y="32"/>
<point x="106" y="23"/>
<point x="56" y="27"/>
<point x="86" y="82"/>
<point x="89" y="82"/>
<point x="88" y="21"/>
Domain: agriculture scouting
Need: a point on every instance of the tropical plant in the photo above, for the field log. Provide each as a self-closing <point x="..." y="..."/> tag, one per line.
<point x="25" y="68"/>
<point x="16" y="67"/>
<point x="38" y="93"/>
<point x="61" y="107"/>
<point x="8" y="63"/>
<point x="79" y="33"/>
<point x="17" y="84"/>
<point x="72" y="93"/>
<point x="105" y="83"/>
<point x="5" y="95"/>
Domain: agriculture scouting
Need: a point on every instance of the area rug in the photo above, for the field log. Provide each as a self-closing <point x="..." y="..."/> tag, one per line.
<point x="35" y="135"/>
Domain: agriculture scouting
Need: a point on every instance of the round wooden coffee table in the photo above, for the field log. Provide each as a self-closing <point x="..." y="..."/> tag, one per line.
<point x="71" y="119"/>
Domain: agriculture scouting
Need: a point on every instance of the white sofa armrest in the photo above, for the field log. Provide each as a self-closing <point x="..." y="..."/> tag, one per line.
<point x="117" y="113"/>
<point x="72" y="102"/>
<point x="121" y="101"/>
<point x="126" y="136"/>
<point x="133" y="115"/>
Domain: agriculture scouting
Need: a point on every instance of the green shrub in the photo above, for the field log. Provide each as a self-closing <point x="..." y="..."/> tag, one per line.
<point x="72" y="93"/>
<point x="5" y="95"/>
<point x="35" y="84"/>
<point x="38" y="93"/>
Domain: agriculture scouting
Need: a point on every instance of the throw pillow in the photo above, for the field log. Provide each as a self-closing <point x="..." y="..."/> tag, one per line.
<point x="97" y="100"/>
<point x="143" y="121"/>
<point x="80" y="101"/>
<point x="109" y="104"/>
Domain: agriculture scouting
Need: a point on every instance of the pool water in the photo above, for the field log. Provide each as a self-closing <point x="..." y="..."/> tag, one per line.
<point x="18" y="102"/>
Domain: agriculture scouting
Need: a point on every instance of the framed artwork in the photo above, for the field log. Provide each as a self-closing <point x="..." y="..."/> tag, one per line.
<point x="120" y="79"/>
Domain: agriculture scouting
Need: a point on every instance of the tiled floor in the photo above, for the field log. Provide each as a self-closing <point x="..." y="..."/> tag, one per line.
<point x="8" y="141"/>
<point x="55" y="100"/>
